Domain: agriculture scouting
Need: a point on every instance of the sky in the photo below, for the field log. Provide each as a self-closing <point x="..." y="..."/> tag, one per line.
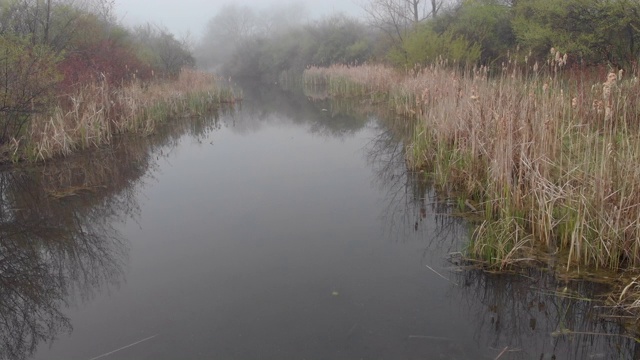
<point x="184" y="17"/>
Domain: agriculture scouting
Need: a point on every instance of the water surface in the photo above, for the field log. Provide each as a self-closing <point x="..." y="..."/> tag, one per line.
<point x="287" y="229"/>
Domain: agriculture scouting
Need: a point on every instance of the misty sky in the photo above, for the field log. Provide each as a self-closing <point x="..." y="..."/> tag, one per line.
<point x="182" y="16"/>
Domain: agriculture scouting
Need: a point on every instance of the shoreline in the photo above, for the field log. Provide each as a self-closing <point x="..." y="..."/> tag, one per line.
<point x="546" y="159"/>
<point x="92" y="115"/>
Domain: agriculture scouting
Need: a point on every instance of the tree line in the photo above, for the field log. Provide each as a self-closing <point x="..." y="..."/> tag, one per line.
<point x="49" y="48"/>
<point x="243" y="41"/>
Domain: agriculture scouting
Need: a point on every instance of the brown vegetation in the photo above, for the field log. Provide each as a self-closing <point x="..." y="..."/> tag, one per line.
<point x="92" y="114"/>
<point x="548" y="161"/>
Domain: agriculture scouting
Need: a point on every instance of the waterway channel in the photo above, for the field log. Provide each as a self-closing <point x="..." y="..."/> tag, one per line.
<point x="284" y="229"/>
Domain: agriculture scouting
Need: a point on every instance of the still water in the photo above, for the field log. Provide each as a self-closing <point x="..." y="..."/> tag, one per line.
<point x="286" y="229"/>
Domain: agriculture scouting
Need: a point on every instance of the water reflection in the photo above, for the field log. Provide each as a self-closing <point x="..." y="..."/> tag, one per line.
<point x="412" y="210"/>
<point x="273" y="104"/>
<point x="58" y="243"/>
<point x="530" y="314"/>
<point x="326" y="283"/>
<point x="533" y="315"/>
<point x="55" y="244"/>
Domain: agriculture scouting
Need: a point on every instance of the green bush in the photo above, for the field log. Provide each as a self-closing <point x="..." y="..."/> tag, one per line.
<point x="591" y="31"/>
<point x="28" y="77"/>
<point x="424" y="46"/>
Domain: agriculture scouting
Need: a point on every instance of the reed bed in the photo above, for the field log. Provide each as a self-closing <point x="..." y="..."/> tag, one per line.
<point x="548" y="161"/>
<point x="94" y="113"/>
<point x="343" y="80"/>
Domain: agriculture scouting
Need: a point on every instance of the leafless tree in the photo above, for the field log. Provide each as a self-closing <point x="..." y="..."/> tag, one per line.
<point x="236" y="27"/>
<point x="51" y="22"/>
<point x="395" y="17"/>
<point x="169" y="53"/>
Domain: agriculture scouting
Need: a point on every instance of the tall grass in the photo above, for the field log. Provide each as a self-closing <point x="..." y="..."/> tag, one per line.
<point x="94" y="113"/>
<point x="344" y="80"/>
<point x="549" y="160"/>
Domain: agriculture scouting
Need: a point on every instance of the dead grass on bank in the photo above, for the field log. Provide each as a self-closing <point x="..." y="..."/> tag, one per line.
<point x="94" y="113"/>
<point x="549" y="161"/>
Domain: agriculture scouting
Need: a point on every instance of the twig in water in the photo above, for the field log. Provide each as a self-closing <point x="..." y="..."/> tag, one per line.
<point x="437" y="273"/>
<point x="502" y="352"/>
<point x="569" y="332"/>
<point x="124" y="347"/>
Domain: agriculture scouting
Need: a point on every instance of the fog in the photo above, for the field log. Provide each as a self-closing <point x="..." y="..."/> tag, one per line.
<point x="190" y="17"/>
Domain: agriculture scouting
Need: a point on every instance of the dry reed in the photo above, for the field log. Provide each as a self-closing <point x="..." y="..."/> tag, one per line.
<point x="550" y="160"/>
<point x="94" y="113"/>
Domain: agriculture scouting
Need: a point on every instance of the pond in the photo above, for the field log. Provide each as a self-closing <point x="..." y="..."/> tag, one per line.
<point x="285" y="229"/>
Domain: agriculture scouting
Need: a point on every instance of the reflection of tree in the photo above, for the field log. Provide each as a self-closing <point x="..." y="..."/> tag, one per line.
<point x="57" y="236"/>
<point x="50" y="248"/>
<point x="271" y="103"/>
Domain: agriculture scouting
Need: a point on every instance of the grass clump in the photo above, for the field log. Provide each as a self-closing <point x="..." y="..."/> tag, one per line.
<point x="94" y="113"/>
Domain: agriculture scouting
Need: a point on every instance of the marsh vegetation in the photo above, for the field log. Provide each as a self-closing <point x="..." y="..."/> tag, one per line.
<point x="73" y="77"/>
<point x="543" y="158"/>
<point x="348" y="240"/>
<point x="526" y="112"/>
<point x="499" y="140"/>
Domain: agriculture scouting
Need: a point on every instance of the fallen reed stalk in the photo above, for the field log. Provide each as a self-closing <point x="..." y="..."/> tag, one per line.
<point x="94" y="113"/>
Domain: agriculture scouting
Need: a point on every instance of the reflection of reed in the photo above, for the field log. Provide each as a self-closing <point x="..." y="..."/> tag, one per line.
<point x="533" y="315"/>
<point x="385" y="154"/>
<point x="57" y="236"/>
<point x="411" y="207"/>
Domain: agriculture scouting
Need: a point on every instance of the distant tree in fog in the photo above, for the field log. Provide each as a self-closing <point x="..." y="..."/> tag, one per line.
<point x="236" y="26"/>
<point x="163" y="50"/>
<point x="395" y="17"/>
<point x="276" y="20"/>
